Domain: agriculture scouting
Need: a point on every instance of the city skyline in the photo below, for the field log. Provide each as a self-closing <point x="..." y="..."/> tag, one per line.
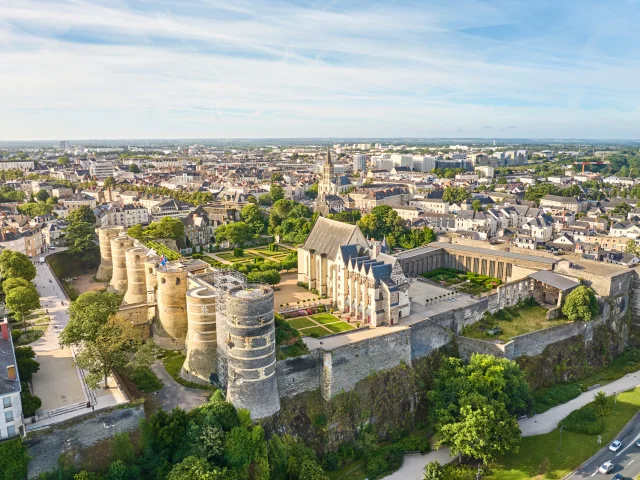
<point x="257" y="69"/>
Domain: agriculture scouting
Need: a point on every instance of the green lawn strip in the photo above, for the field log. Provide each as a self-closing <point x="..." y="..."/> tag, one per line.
<point x="540" y="456"/>
<point x="339" y="327"/>
<point x="525" y="320"/>
<point x="317" y="331"/>
<point x="324" y="318"/>
<point x="302" y="322"/>
<point x="146" y="381"/>
<point x="28" y="337"/>
<point x="173" y="362"/>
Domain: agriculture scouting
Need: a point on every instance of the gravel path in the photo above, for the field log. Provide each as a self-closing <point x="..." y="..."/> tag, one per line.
<point x="45" y="448"/>
<point x="175" y="395"/>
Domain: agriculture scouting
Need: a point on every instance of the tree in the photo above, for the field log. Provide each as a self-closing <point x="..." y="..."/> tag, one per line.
<point x="276" y="177"/>
<point x="167" y="227"/>
<point x="622" y="209"/>
<point x="87" y="314"/>
<point x="485" y="377"/>
<point x="16" y="264"/>
<point x="83" y="214"/>
<point x="22" y="300"/>
<point x="312" y="193"/>
<point x="631" y="248"/>
<point x="114" y="345"/>
<point x="235" y="233"/>
<point x="109" y="183"/>
<point x="476" y="205"/>
<point x="13" y="460"/>
<point x="33" y="209"/>
<point x="193" y="468"/>
<point x="276" y="192"/>
<point x="252" y="215"/>
<point x="64" y="161"/>
<point x="483" y="431"/>
<point x="272" y="277"/>
<point x="42" y="195"/>
<point x="433" y="471"/>
<point x="26" y="364"/>
<point x="581" y="304"/>
<point x="30" y="403"/>
<point x="134" y="168"/>
<point x="13" y="282"/>
<point x="81" y="241"/>
<point x="456" y="194"/>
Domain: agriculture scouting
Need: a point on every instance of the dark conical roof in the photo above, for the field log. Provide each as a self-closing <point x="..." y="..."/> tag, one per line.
<point x="328" y="162"/>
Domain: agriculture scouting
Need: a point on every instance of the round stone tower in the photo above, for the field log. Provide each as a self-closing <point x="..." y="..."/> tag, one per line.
<point x="172" y="304"/>
<point x="119" y="245"/>
<point x="106" y="266"/>
<point x="201" y="335"/>
<point x="251" y="349"/>
<point x="136" y="279"/>
<point x="150" y="266"/>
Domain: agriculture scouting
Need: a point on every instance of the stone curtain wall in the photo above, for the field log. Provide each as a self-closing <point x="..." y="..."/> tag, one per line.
<point x="345" y="366"/>
<point x="428" y="336"/>
<point x="299" y="374"/>
<point x="468" y="346"/>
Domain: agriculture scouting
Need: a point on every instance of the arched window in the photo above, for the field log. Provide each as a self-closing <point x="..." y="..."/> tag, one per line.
<point x="177" y="281"/>
<point x="163" y="280"/>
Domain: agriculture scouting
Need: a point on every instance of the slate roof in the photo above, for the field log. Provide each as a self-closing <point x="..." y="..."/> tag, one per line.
<point x="328" y="235"/>
<point x="555" y="280"/>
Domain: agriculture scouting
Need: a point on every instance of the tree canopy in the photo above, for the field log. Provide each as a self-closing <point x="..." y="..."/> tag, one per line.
<point x="456" y="194"/>
<point x="236" y="233"/>
<point x="166" y="227"/>
<point x="581" y="304"/>
<point x="81" y="242"/>
<point x="22" y="300"/>
<point x="16" y="264"/>
<point x="87" y="314"/>
<point x="82" y="214"/>
<point x="384" y="222"/>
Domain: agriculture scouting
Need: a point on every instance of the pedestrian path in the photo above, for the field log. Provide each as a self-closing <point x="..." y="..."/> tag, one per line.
<point x="59" y="383"/>
<point x="413" y="466"/>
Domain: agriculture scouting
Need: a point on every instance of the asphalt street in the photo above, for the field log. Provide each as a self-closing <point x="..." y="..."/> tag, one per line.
<point x="626" y="460"/>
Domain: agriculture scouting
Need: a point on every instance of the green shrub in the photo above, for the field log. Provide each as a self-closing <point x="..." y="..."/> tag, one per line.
<point x="13" y="460"/>
<point x="146" y="381"/>
<point x="30" y="403"/>
<point x="584" y="420"/>
<point x="383" y="461"/>
<point x="16" y="334"/>
<point x="415" y="443"/>
<point x="555" y="395"/>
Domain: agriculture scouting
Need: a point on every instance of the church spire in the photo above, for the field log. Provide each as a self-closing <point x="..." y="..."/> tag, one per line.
<point x="328" y="162"/>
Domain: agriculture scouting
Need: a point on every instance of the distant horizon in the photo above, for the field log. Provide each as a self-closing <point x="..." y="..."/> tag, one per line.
<point x="289" y="141"/>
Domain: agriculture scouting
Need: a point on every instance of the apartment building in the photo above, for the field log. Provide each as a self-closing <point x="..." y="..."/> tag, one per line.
<point x="79" y="200"/>
<point x="11" y="423"/>
<point x="170" y="208"/>
<point x="116" y="215"/>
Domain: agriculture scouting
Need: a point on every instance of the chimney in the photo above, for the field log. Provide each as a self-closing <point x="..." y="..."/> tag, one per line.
<point x="4" y="327"/>
<point x="11" y="372"/>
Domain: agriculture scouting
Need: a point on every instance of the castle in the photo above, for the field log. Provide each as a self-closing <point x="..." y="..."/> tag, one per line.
<point x="225" y="323"/>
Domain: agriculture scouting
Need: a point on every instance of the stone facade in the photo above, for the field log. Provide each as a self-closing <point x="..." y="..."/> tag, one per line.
<point x="339" y="262"/>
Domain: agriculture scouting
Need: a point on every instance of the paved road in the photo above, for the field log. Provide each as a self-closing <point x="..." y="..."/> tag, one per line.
<point x="174" y="394"/>
<point x="626" y="460"/>
<point x="58" y="382"/>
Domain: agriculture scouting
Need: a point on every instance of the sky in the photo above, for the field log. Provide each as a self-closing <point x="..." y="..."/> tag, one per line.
<point x="74" y="69"/>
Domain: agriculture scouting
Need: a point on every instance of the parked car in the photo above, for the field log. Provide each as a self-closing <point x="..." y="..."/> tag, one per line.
<point x="606" y="467"/>
<point x="617" y="476"/>
<point x="615" y="445"/>
<point x="637" y="443"/>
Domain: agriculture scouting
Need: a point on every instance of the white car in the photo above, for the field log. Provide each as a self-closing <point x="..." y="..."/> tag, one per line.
<point x="606" y="467"/>
<point x="615" y="445"/>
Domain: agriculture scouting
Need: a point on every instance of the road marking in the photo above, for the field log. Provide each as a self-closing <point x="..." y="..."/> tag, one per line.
<point x="594" y="473"/>
<point x="632" y="443"/>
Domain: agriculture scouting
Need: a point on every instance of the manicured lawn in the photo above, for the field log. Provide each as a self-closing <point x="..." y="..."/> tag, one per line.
<point x="541" y="456"/>
<point x="324" y="318"/>
<point x="228" y="256"/>
<point x="515" y="321"/>
<point x="340" y="327"/>
<point x="173" y="362"/>
<point x="315" y="332"/>
<point x="301" y="322"/>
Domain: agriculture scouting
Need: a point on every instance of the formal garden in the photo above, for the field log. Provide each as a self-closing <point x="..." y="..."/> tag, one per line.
<point x="319" y="325"/>
<point x="466" y="282"/>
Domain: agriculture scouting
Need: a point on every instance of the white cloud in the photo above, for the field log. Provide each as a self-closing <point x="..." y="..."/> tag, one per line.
<point x="256" y="69"/>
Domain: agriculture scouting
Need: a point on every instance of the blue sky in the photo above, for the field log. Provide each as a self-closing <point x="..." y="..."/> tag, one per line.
<point x="221" y="68"/>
